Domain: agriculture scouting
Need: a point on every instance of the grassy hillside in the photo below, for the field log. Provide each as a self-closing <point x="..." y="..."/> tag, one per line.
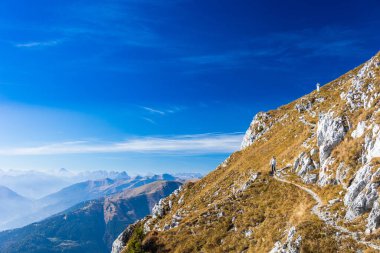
<point x="240" y="208"/>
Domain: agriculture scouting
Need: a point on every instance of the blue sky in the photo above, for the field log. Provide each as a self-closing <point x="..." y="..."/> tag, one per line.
<point x="154" y="86"/>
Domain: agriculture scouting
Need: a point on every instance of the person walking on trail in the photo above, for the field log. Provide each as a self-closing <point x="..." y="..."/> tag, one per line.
<point x="273" y="165"/>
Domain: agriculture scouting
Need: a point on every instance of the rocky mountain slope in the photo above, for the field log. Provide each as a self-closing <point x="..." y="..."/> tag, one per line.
<point x="323" y="198"/>
<point x="91" y="226"/>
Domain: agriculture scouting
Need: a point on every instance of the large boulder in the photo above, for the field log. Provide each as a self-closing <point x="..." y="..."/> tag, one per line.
<point x="330" y="132"/>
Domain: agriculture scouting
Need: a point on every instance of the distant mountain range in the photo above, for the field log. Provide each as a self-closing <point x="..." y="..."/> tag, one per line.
<point x="93" y="225"/>
<point x="34" y="184"/>
<point x="37" y="184"/>
<point x="22" y="211"/>
<point x="11" y="201"/>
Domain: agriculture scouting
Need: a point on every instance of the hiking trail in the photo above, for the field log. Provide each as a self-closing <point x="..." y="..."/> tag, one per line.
<point x="324" y="217"/>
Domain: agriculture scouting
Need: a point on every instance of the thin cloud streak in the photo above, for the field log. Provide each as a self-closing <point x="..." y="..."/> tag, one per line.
<point x="152" y="110"/>
<point x="149" y="120"/>
<point x="187" y="144"/>
<point x="38" y="44"/>
<point x="163" y="112"/>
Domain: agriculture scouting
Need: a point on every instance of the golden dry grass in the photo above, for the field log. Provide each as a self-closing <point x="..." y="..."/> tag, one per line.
<point x="268" y="207"/>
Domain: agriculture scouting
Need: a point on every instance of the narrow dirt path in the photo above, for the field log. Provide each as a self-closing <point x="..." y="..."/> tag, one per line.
<point x="324" y="217"/>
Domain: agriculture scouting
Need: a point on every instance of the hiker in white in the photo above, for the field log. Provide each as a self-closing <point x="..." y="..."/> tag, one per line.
<point x="273" y="165"/>
<point x="318" y="87"/>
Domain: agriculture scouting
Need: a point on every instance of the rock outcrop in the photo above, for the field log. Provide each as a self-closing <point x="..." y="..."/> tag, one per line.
<point x="341" y="174"/>
<point x="257" y="128"/>
<point x="247" y="184"/>
<point x="372" y="144"/>
<point x="303" y="164"/>
<point x="361" y="92"/>
<point x="360" y="129"/>
<point x="304" y="105"/>
<point x="310" y="178"/>
<point x="164" y="205"/>
<point x="330" y="133"/>
<point x="362" y="193"/>
<point x="119" y="244"/>
<point x="326" y="173"/>
<point x="291" y="245"/>
<point x="373" y="221"/>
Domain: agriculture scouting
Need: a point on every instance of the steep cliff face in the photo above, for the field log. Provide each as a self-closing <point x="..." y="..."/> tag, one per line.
<point x="327" y="146"/>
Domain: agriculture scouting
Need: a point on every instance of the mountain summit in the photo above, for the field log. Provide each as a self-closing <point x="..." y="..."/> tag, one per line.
<point x="323" y="197"/>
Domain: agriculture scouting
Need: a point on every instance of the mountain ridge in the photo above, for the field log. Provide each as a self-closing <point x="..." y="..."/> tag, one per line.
<point x="6" y="192"/>
<point x="90" y="226"/>
<point x="11" y="201"/>
<point x="328" y="141"/>
<point x="74" y="194"/>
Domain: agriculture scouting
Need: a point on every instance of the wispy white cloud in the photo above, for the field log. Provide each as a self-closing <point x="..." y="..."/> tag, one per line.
<point x="175" y="109"/>
<point x="170" y="110"/>
<point x="149" y="120"/>
<point x="210" y="143"/>
<point x="152" y="110"/>
<point x="38" y="44"/>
